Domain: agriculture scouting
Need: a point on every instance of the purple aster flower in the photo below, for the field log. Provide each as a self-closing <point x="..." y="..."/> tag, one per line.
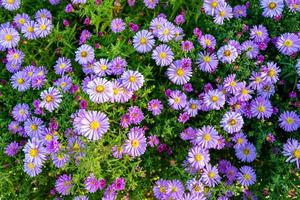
<point x="65" y="83"/>
<point x="207" y="41"/>
<point x="206" y="137"/>
<point x="20" y="81"/>
<point x="153" y="140"/>
<point x="62" y="66"/>
<point x="227" y="54"/>
<point x="232" y="122"/>
<point x="162" y="55"/>
<point x="244" y="92"/>
<point x="256" y="80"/>
<point x="160" y="188"/>
<point x="188" y="134"/>
<point x="231" y="173"/>
<point x="267" y="90"/>
<point x="198" y="157"/>
<point x="177" y="100"/>
<point x="84" y="36"/>
<point x="12" y="149"/>
<point x="246" y="153"/>
<point x="136" y="115"/>
<point x="119" y="184"/>
<point x="183" y="117"/>
<point x="151" y="4"/>
<point x="192" y="107"/>
<point x="246" y="176"/>
<point x="60" y="159"/>
<point x="195" y="186"/>
<point x="117" y="25"/>
<point x="31" y="168"/>
<point x="166" y="32"/>
<point x="191" y="196"/>
<point x="210" y="6"/>
<point x="51" y="99"/>
<point x="272" y="8"/>
<point x="155" y="106"/>
<point x="54" y="2"/>
<point x="132" y="80"/>
<point x="178" y="33"/>
<point x="294" y="5"/>
<point x="35" y="152"/>
<point x="120" y="93"/>
<point x="187" y="46"/>
<point x="230" y="84"/>
<point x="34" y="127"/>
<point x="214" y="99"/>
<point x="156" y="24"/>
<point x="13" y="127"/>
<point x="207" y="62"/>
<point x="99" y="90"/>
<point x="63" y="184"/>
<point x="179" y="19"/>
<point x="240" y="140"/>
<point x="188" y="87"/>
<point x="10" y="4"/>
<point x="143" y="41"/>
<point x="223" y="12"/>
<point x="12" y="68"/>
<point x="250" y="48"/>
<point x="42" y="27"/>
<point x="43" y="14"/>
<point x="117" y="152"/>
<point x="118" y="66"/>
<point x="291" y="149"/>
<point x="259" y="34"/>
<point x="240" y="11"/>
<point x="21" y="112"/>
<point x="289" y="121"/>
<point x="91" y="184"/>
<point x="178" y="74"/>
<point x="84" y="54"/>
<point x="14" y="56"/>
<point x="288" y="43"/>
<point x="261" y="108"/>
<point x="175" y="189"/>
<point x="91" y="124"/>
<point x="136" y="143"/>
<point x="210" y="176"/>
<point x="102" y="67"/>
<point x="28" y="30"/>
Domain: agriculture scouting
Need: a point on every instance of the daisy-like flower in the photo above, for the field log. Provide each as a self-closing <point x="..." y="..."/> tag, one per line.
<point x="43" y="14"/>
<point x="32" y="169"/>
<point x="192" y="107"/>
<point x="12" y="149"/>
<point x="12" y="68"/>
<point x="136" y="115"/>
<point x="34" y="127"/>
<point x="291" y="149"/>
<point x="207" y="62"/>
<point x="246" y="176"/>
<point x="214" y="99"/>
<point x="160" y="188"/>
<point x="250" y="48"/>
<point x="43" y="27"/>
<point x="195" y="186"/>
<point x="62" y="66"/>
<point x="267" y="90"/>
<point x="177" y="100"/>
<point x="51" y="99"/>
<point x="21" y="112"/>
<point x="9" y="37"/>
<point x="117" y="25"/>
<point x="175" y="189"/>
<point x="256" y="80"/>
<point x="166" y="32"/>
<point x="288" y="43"/>
<point x="151" y="4"/>
<point x="28" y="30"/>
<point x="117" y="152"/>
<point x="261" y="108"/>
<point x="223" y="12"/>
<point x="230" y="84"/>
<point x="259" y="33"/>
<point x="91" y="124"/>
<point x="232" y="122"/>
<point x="240" y="140"/>
<point x="63" y="184"/>
<point x="240" y="11"/>
<point x="91" y="184"/>
<point x="272" y="8"/>
<point x="136" y="143"/>
<point x="102" y="67"/>
<point x="198" y="157"/>
<point x="65" y="83"/>
<point x="289" y="121"/>
<point x="162" y="55"/>
<point x="227" y="54"/>
<point x="11" y="4"/>
<point x="143" y="41"/>
<point x="178" y="33"/>
<point x="210" y="6"/>
<point x="207" y="41"/>
<point x="35" y="152"/>
<point x="155" y="106"/>
<point x="210" y="176"/>
<point x="179" y="74"/>
<point x="60" y="159"/>
<point x="246" y="153"/>
<point x="206" y="137"/>
<point x="20" y="81"/>
<point x="15" y="56"/>
<point x="118" y="66"/>
<point x="244" y="92"/>
<point x="84" y="54"/>
<point x="156" y="24"/>
<point x="132" y="80"/>
<point x="294" y="5"/>
<point x="99" y="90"/>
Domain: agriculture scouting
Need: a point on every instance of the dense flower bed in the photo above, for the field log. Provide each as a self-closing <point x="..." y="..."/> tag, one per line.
<point x="152" y="99"/>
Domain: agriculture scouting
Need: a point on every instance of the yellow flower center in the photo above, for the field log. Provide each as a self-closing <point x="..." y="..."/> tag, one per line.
<point x="177" y="100"/>
<point x="49" y="98"/>
<point x="272" y="5"/>
<point x="33" y="152"/>
<point x="196" y="188"/>
<point x="211" y="175"/>
<point x="257" y="79"/>
<point x="21" y="21"/>
<point x="174" y="189"/>
<point x="15" y="56"/>
<point x="116" y="91"/>
<point x="207" y="42"/>
<point x="22" y="112"/>
<point x="135" y="143"/>
<point x="60" y="156"/>
<point x="48" y="137"/>
<point x="239" y="140"/>
<point x="206" y="59"/>
<point x="62" y="65"/>
<point x="166" y="31"/>
<point x="33" y="127"/>
<point x="245" y="91"/>
<point x="295" y="6"/>
<point x="259" y="33"/>
<point x="227" y="53"/>
<point x="207" y="137"/>
<point x="247" y="177"/>
<point x="198" y="157"/>
<point x="214" y="4"/>
<point x="297" y="153"/>
<point x="43" y="27"/>
<point x="103" y="67"/>
<point x="289" y="120"/>
<point x="100" y="88"/>
<point x="261" y="108"/>
<point x="180" y="72"/>
<point x="162" y="55"/>
<point x="94" y="125"/>
<point x="222" y="13"/>
<point x="10" y="1"/>
<point x="193" y="106"/>
<point x="132" y="79"/>
<point x="30" y="29"/>
<point x="8" y="37"/>
<point x="162" y="190"/>
<point x="246" y="151"/>
<point x="288" y="43"/>
<point x="232" y="122"/>
<point x="143" y="40"/>
<point x="214" y="98"/>
<point x="83" y="54"/>
<point x="30" y="165"/>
